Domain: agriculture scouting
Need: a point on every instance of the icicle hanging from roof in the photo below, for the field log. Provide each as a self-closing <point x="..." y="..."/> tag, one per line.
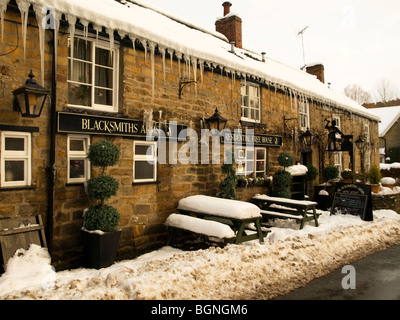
<point x="71" y="28"/>
<point x="3" y="8"/>
<point x="40" y="16"/>
<point x="23" y="6"/>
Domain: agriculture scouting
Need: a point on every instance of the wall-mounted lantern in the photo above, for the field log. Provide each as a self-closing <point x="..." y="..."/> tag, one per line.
<point x="360" y="143"/>
<point x="30" y="98"/>
<point x="307" y="138"/>
<point x="216" y="121"/>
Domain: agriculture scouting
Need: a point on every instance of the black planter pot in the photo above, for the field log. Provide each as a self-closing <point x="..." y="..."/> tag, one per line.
<point x="100" y="250"/>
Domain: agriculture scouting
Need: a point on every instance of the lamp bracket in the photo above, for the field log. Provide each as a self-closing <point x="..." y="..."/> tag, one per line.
<point x="183" y="84"/>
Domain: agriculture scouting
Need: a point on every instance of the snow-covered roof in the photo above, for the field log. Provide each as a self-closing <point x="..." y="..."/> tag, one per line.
<point x="153" y="27"/>
<point x="389" y="116"/>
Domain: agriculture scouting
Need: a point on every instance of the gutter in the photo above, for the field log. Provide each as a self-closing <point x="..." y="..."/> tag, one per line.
<point x="51" y="169"/>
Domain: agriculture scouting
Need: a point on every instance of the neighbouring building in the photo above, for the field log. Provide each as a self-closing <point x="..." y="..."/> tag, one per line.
<point x="115" y="70"/>
<point x="389" y="132"/>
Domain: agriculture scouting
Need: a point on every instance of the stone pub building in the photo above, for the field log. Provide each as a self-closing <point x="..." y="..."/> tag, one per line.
<point x="117" y="69"/>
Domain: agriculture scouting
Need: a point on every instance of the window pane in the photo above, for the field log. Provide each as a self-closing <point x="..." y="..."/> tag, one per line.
<point x="81" y="72"/>
<point x="76" y="145"/>
<point x="142" y="149"/>
<point x="104" y="57"/>
<point x="76" y="169"/>
<point x="82" y="49"/>
<point x="260" y="154"/>
<point x="14" y="171"/>
<point x="14" y="144"/>
<point x="260" y="166"/>
<point x="79" y="94"/>
<point x="103" y="96"/>
<point x="144" y="170"/>
<point x="104" y="77"/>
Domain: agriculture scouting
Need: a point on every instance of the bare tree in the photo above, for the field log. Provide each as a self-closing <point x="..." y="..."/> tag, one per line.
<point x="385" y="91"/>
<point x="356" y="93"/>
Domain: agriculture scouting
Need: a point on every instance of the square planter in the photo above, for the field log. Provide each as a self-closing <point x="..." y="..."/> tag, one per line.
<point x="100" y="250"/>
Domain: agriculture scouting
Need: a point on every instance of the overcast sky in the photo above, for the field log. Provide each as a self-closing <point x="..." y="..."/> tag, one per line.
<point x="358" y="41"/>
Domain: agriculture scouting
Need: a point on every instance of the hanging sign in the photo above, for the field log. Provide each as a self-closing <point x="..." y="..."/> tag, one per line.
<point x="89" y="124"/>
<point x="355" y="199"/>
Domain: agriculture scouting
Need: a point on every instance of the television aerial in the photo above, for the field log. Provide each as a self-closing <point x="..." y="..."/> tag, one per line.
<point x="301" y="33"/>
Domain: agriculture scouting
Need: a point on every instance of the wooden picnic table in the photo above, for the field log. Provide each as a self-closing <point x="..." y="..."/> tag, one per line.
<point x="274" y="207"/>
<point x="238" y="215"/>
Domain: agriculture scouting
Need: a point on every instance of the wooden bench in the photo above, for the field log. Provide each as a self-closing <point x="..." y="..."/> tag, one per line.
<point x="19" y="233"/>
<point x="213" y="230"/>
<point x="274" y="207"/>
<point x="238" y="215"/>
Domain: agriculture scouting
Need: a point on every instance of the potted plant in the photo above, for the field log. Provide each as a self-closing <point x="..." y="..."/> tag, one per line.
<point x="374" y="175"/>
<point x="228" y="185"/>
<point x="324" y="198"/>
<point x="100" y="237"/>
<point x="283" y="178"/>
<point x="347" y="176"/>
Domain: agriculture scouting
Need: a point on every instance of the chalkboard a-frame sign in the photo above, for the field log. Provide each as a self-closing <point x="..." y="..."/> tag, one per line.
<point x="355" y="199"/>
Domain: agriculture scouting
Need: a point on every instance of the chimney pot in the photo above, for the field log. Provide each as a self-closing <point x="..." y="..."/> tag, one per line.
<point x="263" y="56"/>
<point x="227" y="7"/>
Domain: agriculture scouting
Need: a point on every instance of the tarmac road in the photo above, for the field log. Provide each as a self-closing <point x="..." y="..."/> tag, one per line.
<point x="377" y="277"/>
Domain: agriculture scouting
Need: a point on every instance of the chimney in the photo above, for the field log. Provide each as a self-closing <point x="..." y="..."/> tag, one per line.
<point x="230" y="25"/>
<point x="227" y="7"/>
<point x="317" y="70"/>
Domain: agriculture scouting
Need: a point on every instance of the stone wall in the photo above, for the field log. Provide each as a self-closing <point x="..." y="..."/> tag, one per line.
<point x="387" y="201"/>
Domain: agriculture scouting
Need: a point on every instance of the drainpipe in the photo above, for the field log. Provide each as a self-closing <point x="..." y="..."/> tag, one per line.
<point x="51" y="169"/>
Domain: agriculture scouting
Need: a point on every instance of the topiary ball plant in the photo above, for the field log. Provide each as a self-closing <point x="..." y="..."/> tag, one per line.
<point x="285" y="160"/>
<point x="282" y="179"/>
<point x="329" y="173"/>
<point x="99" y="189"/>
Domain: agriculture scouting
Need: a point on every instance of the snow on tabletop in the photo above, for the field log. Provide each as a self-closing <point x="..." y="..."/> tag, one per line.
<point x="206" y="227"/>
<point x="283" y="200"/>
<point x="220" y="207"/>
<point x="388" y="166"/>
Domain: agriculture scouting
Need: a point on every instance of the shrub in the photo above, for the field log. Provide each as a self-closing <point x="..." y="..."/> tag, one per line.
<point x="228" y="185"/>
<point x="282" y="192"/>
<point x="285" y="160"/>
<point x="374" y="174"/>
<point x="102" y="187"/>
<point x="101" y="216"/>
<point x="103" y="154"/>
<point x="330" y="173"/>
<point x="312" y="173"/>
<point x="282" y="178"/>
<point x="347" y="174"/>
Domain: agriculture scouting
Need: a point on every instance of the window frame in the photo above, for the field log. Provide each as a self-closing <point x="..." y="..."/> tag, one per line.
<point x="242" y="156"/>
<point x="338" y="156"/>
<point x="103" y="44"/>
<point x="246" y="101"/>
<point x="140" y="157"/>
<point x="304" y="113"/>
<point x="78" y="155"/>
<point x="25" y="155"/>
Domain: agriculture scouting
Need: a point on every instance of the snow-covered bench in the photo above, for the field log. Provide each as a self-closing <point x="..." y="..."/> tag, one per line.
<point x="274" y="207"/>
<point x="237" y="215"/>
<point x="209" y="228"/>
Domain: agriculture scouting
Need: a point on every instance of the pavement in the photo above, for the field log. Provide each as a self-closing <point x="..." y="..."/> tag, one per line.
<point x="375" y="277"/>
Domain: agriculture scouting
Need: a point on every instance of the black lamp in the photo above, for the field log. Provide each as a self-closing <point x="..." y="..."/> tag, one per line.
<point x="30" y="98"/>
<point x="308" y="138"/>
<point x="360" y="143"/>
<point x="216" y="121"/>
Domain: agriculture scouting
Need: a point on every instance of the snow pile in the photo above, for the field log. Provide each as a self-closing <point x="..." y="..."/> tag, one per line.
<point x="290" y="258"/>
<point x="297" y="170"/>
<point x="220" y="207"/>
<point x="388" y="166"/>
<point x="201" y="226"/>
<point x="388" y="180"/>
<point x="28" y="268"/>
